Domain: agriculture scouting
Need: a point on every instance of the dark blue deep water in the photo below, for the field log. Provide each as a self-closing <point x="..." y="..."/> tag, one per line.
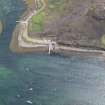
<point x="43" y="79"/>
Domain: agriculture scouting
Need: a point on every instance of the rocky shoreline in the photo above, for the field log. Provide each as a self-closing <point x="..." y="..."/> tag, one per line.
<point x="66" y="52"/>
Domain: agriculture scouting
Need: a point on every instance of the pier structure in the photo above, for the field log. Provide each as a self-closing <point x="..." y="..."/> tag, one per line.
<point x="51" y="46"/>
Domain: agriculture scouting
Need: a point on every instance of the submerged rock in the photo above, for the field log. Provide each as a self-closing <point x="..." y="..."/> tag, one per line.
<point x="30" y="89"/>
<point x="29" y="102"/>
<point x="5" y="72"/>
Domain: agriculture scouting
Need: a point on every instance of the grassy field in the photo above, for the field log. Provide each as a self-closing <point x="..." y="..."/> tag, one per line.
<point x="36" y="22"/>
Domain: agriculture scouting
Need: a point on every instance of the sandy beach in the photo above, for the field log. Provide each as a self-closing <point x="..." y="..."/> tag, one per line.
<point x="1" y="27"/>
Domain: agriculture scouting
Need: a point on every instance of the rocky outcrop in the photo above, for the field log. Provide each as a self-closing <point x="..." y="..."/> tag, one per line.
<point x="82" y="24"/>
<point x="87" y="31"/>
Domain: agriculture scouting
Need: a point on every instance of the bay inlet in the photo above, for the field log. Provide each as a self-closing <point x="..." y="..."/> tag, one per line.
<point x="41" y="79"/>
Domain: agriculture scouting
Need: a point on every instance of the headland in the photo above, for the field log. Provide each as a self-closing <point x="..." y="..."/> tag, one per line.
<point x="24" y="40"/>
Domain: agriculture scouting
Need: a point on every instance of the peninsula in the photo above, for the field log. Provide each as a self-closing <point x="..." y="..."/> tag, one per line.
<point x="61" y="26"/>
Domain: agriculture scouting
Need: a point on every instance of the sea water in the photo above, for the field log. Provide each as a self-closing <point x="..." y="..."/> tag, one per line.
<point x="41" y="79"/>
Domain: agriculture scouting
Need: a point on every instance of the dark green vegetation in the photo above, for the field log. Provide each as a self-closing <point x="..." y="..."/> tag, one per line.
<point x="71" y="22"/>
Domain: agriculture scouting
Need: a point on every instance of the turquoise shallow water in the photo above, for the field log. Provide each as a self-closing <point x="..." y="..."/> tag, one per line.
<point x="44" y="79"/>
